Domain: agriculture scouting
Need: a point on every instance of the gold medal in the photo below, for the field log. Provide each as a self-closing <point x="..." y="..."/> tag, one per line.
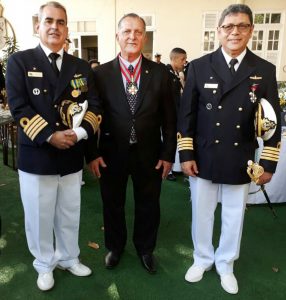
<point x="75" y="93"/>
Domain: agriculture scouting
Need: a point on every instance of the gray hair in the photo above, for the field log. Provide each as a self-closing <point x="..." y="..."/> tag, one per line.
<point x="52" y="4"/>
<point x="132" y="15"/>
<point x="235" y="9"/>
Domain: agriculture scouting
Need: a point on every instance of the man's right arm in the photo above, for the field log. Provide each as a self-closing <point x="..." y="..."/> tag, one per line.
<point x="186" y="125"/>
<point x="31" y="122"/>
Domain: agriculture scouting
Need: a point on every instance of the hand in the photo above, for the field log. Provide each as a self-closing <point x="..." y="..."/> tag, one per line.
<point x="63" y="139"/>
<point x="190" y="168"/>
<point x="167" y="166"/>
<point x="70" y="134"/>
<point x="264" y="178"/>
<point x="94" y="166"/>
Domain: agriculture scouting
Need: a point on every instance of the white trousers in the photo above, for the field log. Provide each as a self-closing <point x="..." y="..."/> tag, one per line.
<point x="205" y="196"/>
<point x="177" y="165"/>
<point x="52" y="213"/>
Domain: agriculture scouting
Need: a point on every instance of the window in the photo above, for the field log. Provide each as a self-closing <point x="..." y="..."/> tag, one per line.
<point x="210" y="42"/>
<point x="257" y="40"/>
<point x="266" y="40"/>
<point x="267" y="18"/>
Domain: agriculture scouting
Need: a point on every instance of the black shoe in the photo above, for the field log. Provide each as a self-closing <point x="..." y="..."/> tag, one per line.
<point x="112" y="259"/>
<point x="148" y="263"/>
<point x="171" y="177"/>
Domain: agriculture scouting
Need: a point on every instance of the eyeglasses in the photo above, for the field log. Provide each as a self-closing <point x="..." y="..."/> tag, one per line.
<point x="240" y="27"/>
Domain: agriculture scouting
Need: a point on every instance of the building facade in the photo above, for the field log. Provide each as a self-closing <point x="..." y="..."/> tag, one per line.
<point x="187" y="24"/>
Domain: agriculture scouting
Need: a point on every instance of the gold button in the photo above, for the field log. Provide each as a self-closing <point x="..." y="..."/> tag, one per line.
<point x="235" y="144"/>
<point x="217" y="124"/>
<point x="237" y="126"/>
<point x="240" y="109"/>
<point x="57" y="124"/>
<point x="216" y="141"/>
<point x="219" y="107"/>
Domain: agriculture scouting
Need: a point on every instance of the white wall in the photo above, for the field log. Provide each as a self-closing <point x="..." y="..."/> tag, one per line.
<point x="177" y="23"/>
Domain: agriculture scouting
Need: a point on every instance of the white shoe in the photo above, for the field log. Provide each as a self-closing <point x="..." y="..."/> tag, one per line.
<point x="195" y="273"/>
<point x="45" y="281"/>
<point x="77" y="269"/>
<point x="229" y="283"/>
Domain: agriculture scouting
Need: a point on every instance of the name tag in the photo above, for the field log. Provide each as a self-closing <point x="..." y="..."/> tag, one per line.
<point x="35" y="74"/>
<point x="211" y="85"/>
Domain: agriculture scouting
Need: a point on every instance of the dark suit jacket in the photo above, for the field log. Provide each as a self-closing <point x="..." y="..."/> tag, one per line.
<point x="217" y="115"/>
<point x="154" y="115"/>
<point x="176" y="86"/>
<point x="34" y="97"/>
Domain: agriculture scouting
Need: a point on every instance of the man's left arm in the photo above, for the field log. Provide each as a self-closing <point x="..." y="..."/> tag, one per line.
<point x="270" y="153"/>
<point x="92" y="117"/>
<point x="168" y="120"/>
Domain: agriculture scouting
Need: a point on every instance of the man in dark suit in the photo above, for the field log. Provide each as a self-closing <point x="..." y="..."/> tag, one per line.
<point x="137" y="109"/>
<point x="47" y="89"/>
<point x="216" y="139"/>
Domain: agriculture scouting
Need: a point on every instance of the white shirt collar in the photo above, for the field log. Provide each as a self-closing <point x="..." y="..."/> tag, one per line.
<point x="228" y="57"/>
<point x="128" y="63"/>
<point x="49" y="51"/>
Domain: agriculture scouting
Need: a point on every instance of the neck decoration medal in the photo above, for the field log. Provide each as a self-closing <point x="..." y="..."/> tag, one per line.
<point x="133" y="89"/>
<point x="131" y="78"/>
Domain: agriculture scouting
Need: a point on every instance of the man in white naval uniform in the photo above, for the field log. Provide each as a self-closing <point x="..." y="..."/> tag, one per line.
<point x="216" y="138"/>
<point x="43" y="85"/>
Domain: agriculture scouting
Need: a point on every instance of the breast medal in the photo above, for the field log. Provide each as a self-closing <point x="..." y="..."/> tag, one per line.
<point x="79" y="85"/>
<point x="75" y="93"/>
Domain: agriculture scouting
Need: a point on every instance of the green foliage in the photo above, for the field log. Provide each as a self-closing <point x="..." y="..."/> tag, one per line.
<point x="10" y="48"/>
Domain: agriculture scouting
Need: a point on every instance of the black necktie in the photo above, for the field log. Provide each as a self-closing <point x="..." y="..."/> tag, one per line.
<point x="131" y="98"/>
<point x="233" y="62"/>
<point x="54" y="57"/>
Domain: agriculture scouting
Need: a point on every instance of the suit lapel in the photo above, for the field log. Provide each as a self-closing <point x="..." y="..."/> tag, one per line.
<point x="42" y="60"/>
<point x="146" y="72"/>
<point x="244" y="70"/>
<point x="67" y="72"/>
<point x="117" y="82"/>
<point x="220" y="67"/>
